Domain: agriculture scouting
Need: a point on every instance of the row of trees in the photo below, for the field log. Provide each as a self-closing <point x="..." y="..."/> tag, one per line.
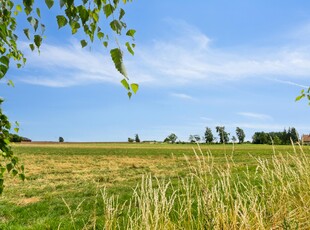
<point x="277" y="138"/>
<point x="209" y="137"/>
<point x="223" y="135"/>
<point x="136" y="139"/>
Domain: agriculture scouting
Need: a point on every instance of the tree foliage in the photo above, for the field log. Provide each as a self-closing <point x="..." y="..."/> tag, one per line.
<point x="88" y="17"/>
<point x="223" y="135"/>
<point x="9" y="162"/>
<point x="194" y="138"/>
<point x="278" y="138"/>
<point x="172" y="138"/>
<point x="61" y="139"/>
<point x="137" y="139"/>
<point x="240" y="134"/>
<point x="304" y="94"/>
<point x="209" y="135"/>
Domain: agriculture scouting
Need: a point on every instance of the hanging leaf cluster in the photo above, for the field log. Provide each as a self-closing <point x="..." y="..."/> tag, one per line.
<point x="9" y="162"/>
<point x="304" y="94"/>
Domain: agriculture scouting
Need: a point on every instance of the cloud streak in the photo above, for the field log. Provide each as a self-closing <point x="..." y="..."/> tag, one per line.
<point x="182" y="96"/>
<point x="255" y="116"/>
<point x="188" y="59"/>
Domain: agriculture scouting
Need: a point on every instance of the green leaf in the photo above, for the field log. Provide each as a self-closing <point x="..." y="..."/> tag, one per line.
<point x="299" y="97"/>
<point x="129" y="94"/>
<point x="49" y="3"/>
<point x="31" y="47"/>
<point x="37" y="40"/>
<point x="84" y="15"/>
<point x="22" y="176"/>
<point x="83" y="43"/>
<point x="131" y="33"/>
<point x="105" y="44"/>
<point x="38" y="12"/>
<point x="42" y="28"/>
<point x="134" y="87"/>
<point x="100" y="35"/>
<point x="74" y="26"/>
<point x="16" y="130"/>
<point x="130" y="50"/>
<point x="10" y="83"/>
<point x="26" y="32"/>
<point x="61" y="21"/>
<point x="19" y="8"/>
<point x="108" y="10"/>
<point x="14" y="172"/>
<point x="9" y="167"/>
<point x="4" y="65"/>
<point x="62" y="3"/>
<point x="121" y="14"/>
<point x="117" y="57"/>
<point x="33" y="22"/>
<point x="125" y="84"/>
<point x="116" y="26"/>
<point x="4" y="60"/>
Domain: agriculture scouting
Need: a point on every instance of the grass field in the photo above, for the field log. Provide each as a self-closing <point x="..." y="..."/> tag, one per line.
<point x="65" y="181"/>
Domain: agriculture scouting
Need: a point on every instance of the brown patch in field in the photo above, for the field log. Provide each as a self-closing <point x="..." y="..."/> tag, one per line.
<point x="26" y="201"/>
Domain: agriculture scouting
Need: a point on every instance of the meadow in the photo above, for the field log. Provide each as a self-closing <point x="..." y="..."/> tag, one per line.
<point x="157" y="186"/>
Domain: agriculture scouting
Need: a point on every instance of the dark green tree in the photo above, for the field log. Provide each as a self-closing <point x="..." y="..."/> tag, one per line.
<point x="240" y="134"/>
<point x="15" y="138"/>
<point x="260" y="138"/>
<point x="172" y="138"/>
<point x="137" y="139"/>
<point x="194" y="138"/>
<point x="209" y="135"/>
<point x="130" y="140"/>
<point x="224" y="136"/>
<point x="61" y="139"/>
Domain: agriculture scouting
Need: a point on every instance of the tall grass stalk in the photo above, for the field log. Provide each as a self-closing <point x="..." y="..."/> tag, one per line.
<point x="275" y="195"/>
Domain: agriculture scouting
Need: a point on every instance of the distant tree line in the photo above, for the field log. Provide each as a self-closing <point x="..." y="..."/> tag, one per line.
<point x="277" y="138"/>
<point x="17" y="138"/>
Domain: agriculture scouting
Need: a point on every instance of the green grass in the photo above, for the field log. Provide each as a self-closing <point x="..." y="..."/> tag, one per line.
<point x="62" y="176"/>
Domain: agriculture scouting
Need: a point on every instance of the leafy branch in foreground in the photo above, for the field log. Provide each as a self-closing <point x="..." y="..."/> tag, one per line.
<point x="9" y="162"/>
<point x="87" y="17"/>
<point x="304" y="94"/>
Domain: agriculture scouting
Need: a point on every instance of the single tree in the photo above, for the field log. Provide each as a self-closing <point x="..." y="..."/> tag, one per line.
<point x="224" y="136"/>
<point x="130" y="140"/>
<point x="172" y="138"/>
<point x="294" y="135"/>
<point x="240" y="134"/>
<point x="194" y="138"/>
<point x="137" y="139"/>
<point x="61" y="139"/>
<point x="209" y="135"/>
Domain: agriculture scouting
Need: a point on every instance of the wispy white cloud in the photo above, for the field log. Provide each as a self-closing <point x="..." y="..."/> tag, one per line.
<point x="255" y="115"/>
<point x="291" y="83"/>
<point x="206" y="118"/>
<point x="182" y="96"/>
<point x="190" y="58"/>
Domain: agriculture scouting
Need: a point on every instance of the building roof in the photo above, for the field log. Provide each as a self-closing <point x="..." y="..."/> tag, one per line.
<point x="306" y="138"/>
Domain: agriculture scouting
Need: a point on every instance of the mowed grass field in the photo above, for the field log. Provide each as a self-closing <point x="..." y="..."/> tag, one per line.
<point x="67" y="179"/>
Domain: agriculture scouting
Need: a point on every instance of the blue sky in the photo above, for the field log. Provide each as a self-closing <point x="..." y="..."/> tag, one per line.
<point x="199" y="64"/>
